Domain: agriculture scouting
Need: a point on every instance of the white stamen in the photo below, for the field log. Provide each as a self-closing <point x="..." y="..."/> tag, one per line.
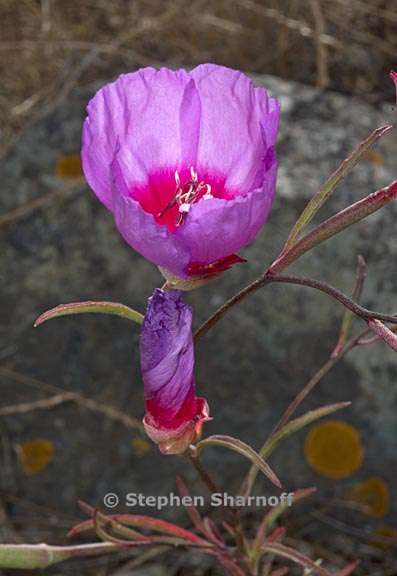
<point x="177" y="179"/>
<point x="207" y="195"/>
<point x="184" y="208"/>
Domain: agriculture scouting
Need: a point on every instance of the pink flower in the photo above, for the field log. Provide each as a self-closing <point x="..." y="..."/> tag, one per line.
<point x="174" y="415"/>
<point x="186" y="163"/>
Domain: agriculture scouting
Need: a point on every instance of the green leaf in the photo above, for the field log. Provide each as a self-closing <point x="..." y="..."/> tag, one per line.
<point x="30" y="556"/>
<point x="348" y="315"/>
<point x="326" y="190"/>
<point x="294" y="556"/>
<point x="297" y="424"/>
<point x="290" y="428"/>
<point x="241" y="448"/>
<point x="273" y="515"/>
<point x="90" y="307"/>
<point x="333" y="225"/>
<point x="136" y="521"/>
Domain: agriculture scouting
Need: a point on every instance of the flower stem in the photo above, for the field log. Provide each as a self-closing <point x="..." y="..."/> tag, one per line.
<point x="358" y="310"/>
<point x="213" y="488"/>
<point x="202" y="472"/>
<point x="322" y="232"/>
<point x="267" y="278"/>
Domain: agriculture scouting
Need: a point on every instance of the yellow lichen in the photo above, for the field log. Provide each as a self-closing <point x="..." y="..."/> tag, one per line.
<point x="35" y="455"/>
<point x="140" y="446"/>
<point x="374" y="157"/>
<point x="373" y="493"/>
<point x="388" y="533"/>
<point x="333" y="449"/>
<point x="69" y="167"/>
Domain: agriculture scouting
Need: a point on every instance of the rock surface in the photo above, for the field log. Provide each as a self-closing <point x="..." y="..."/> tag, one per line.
<point x="252" y="363"/>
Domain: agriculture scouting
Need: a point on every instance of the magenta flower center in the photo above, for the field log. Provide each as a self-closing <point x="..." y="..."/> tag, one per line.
<point x="169" y="195"/>
<point x="187" y="411"/>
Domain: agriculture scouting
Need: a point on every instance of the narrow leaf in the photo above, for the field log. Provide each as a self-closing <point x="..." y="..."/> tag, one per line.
<point x="326" y="190"/>
<point x="101" y="524"/>
<point x="281" y="433"/>
<point x="30" y="556"/>
<point x="192" y="510"/>
<point x="138" y="521"/>
<point x="384" y="332"/>
<point x="340" y="221"/>
<point x="244" y="450"/>
<point x="277" y="534"/>
<point x="297" y="424"/>
<point x="348" y="315"/>
<point x="274" y="513"/>
<point x="90" y="307"/>
<point x="295" y="556"/>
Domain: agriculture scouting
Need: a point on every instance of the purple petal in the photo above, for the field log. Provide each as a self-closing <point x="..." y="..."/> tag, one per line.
<point x="232" y="112"/>
<point x="167" y="357"/>
<point x="141" y="111"/>
<point x="217" y="228"/>
<point x="190" y="117"/>
<point x="139" y="229"/>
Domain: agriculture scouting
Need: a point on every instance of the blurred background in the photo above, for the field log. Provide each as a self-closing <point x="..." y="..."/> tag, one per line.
<point x="70" y="391"/>
<point x="48" y="47"/>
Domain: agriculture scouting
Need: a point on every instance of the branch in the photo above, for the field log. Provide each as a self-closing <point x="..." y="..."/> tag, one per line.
<point x="336" y="294"/>
<point x="331" y="183"/>
<point x="348" y="316"/>
<point x="383" y="332"/>
<point x="322" y="232"/>
<point x="340" y="221"/>
<point x="358" y="310"/>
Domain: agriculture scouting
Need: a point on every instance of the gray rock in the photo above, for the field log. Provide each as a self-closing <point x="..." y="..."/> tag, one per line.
<point x="252" y="363"/>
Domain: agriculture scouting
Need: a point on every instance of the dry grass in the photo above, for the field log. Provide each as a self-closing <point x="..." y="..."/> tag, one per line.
<point x="47" y="47"/>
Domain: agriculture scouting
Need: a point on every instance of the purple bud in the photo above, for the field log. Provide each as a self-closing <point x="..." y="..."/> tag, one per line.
<point x="174" y="415"/>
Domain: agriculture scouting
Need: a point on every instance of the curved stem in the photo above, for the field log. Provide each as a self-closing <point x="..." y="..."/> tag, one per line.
<point x="358" y="310"/>
<point x="214" y="318"/>
<point x="267" y="278"/>
<point x="340" y="221"/>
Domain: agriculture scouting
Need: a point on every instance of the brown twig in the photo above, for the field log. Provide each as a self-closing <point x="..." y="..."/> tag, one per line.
<point x="44" y="404"/>
<point x="40" y="202"/>
<point x="61" y="397"/>
<point x="297" y="25"/>
<point x="321" y="47"/>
